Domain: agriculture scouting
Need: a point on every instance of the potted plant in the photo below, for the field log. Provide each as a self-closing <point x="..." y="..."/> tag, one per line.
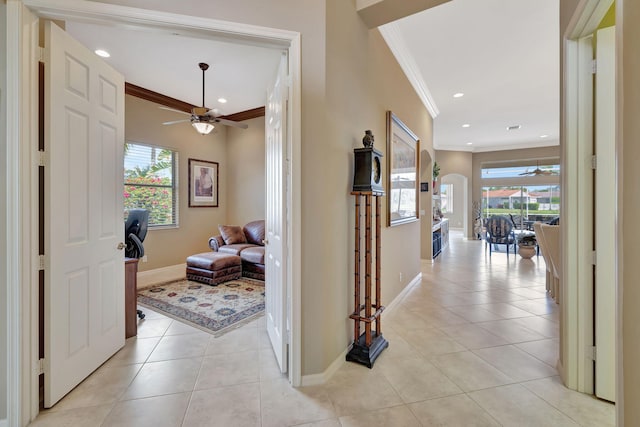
<point x="527" y="246"/>
<point x="436" y="174"/>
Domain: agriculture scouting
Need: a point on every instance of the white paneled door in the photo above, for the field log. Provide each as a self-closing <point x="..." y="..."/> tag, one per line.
<point x="84" y="274"/>
<point x="605" y="216"/>
<point x="276" y="166"/>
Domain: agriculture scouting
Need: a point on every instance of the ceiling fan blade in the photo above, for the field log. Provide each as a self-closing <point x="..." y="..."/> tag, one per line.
<point x="174" y="110"/>
<point x="176" y="121"/>
<point x="230" y="123"/>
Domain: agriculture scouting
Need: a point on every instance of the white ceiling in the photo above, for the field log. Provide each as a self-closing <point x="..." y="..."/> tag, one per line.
<point x="168" y="64"/>
<point x="502" y="54"/>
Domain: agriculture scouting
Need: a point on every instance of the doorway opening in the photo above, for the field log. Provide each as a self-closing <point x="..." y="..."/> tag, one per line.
<point x="115" y="15"/>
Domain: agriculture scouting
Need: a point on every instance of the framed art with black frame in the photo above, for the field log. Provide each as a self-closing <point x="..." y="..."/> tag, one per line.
<point x="203" y="184"/>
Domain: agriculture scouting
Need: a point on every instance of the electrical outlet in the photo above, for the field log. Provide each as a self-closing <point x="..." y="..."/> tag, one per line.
<point x="144" y="258"/>
<point x="400" y="277"/>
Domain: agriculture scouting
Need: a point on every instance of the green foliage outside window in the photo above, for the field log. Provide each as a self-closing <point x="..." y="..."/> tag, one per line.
<point x="149" y="182"/>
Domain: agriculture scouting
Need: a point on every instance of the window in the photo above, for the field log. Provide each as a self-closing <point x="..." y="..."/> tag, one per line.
<point x="150" y="182"/>
<point x="446" y="198"/>
<point x="520" y="171"/>
<point x="525" y="203"/>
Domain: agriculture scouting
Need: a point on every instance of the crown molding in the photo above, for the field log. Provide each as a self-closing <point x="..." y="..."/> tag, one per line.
<point x="395" y="41"/>
<point x="245" y="115"/>
<point x="158" y="98"/>
<point x="96" y="12"/>
<point x="176" y="104"/>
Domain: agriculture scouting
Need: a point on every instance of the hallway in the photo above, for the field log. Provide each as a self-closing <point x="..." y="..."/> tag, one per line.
<point x="474" y="344"/>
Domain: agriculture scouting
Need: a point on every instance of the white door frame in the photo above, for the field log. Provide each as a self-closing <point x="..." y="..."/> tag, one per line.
<point x="577" y="204"/>
<point x="20" y="134"/>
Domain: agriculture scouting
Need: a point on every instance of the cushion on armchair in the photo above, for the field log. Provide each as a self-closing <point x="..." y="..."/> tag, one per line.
<point x="232" y="234"/>
<point x="235" y="248"/>
<point x="254" y="231"/>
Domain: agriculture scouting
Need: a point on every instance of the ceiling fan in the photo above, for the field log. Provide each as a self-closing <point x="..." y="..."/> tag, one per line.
<point x="203" y="118"/>
<point x="538" y="172"/>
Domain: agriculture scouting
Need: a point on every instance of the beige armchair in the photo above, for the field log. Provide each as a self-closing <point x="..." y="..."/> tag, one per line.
<point x="549" y="240"/>
<point x="537" y="228"/>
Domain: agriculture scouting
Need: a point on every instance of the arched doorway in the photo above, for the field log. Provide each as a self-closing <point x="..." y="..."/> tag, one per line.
<point x="454" y="194"/>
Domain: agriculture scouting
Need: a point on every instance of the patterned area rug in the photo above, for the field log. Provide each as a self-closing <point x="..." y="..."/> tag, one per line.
<point x="215" y="309"/>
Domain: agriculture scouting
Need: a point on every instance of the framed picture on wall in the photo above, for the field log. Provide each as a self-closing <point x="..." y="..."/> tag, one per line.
<point x="203" y="183"/>
<point x="403" y="149"/>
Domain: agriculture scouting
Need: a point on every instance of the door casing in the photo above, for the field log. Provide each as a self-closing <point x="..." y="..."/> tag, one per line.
<point x="21" y="179"/>
<point x="577" y="234"/>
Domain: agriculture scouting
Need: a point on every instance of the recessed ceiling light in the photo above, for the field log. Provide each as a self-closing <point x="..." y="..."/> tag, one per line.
<point x="469" y="143"/>
<point x="102" y="53"/>
<point x="544" y="136"/>
<point x="466" y="125"/>
<point x="458" y="95"/>
<point x="222" y="100"/>
<point x="514" y="127"/>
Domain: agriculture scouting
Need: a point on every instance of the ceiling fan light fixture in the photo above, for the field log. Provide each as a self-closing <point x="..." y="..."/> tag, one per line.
<point x="203" y="128"/>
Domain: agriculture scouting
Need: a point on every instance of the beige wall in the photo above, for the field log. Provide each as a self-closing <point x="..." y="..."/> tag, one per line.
<point x="629" y="14"/>
<point x="244" y="169"/>
<point x="363" y="81"/>
<point x="349" y="80"/>
<point x="164" y="247"/>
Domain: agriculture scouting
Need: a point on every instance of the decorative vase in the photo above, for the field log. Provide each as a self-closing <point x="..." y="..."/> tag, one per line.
<point x="527" y="252"/>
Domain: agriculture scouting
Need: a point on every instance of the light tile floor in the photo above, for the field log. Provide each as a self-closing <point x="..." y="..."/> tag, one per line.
<point x="474" y="344"/>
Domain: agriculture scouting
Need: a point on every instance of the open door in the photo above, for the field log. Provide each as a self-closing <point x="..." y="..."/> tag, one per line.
<point x="605" y="216"/>
<point x="84" y="225"/>
<point x="276" y="215"/>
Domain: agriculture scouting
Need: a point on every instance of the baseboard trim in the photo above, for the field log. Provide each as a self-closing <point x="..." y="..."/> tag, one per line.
<point x="322" y="378"/>
<point x="161" y="275"/>
<point x="318" y="379"/>
<point x="396" y="301"/>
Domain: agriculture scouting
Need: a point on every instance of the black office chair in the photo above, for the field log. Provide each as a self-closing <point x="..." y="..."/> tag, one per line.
<point x="135" y="230"/>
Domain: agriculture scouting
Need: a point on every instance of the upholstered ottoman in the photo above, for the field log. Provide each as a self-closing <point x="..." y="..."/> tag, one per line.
<point x="213" y="268"/>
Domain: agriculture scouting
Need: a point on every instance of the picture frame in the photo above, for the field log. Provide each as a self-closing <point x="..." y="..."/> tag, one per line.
<point x="203" y="184"/>
<point x="403" y="185"/>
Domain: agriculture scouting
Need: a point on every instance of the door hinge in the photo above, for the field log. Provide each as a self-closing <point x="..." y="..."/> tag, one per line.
<point x="41" y="54"/>
<point x="591" y="352"/>
<point x="40" y="366"/>
<point x="594" y="257"/>
<point x="42" y="158"/>
<point x="594" y="162"/>
<point x="594" y="66"/>
<point x="40" y="262"/>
